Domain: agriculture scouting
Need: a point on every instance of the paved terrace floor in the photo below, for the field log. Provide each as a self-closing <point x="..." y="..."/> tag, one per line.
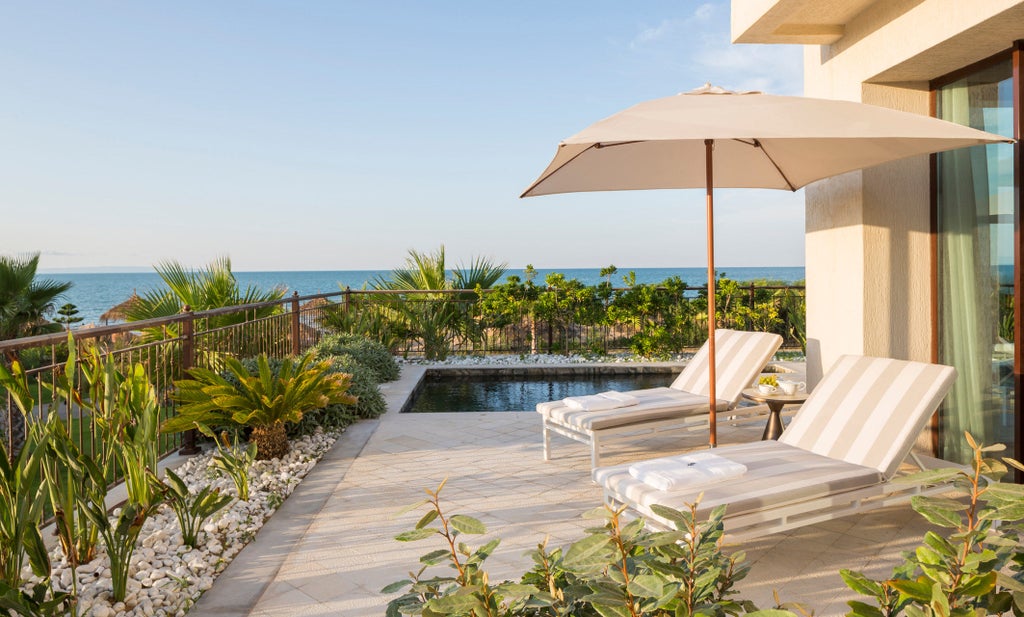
<point x="330" y="549"/>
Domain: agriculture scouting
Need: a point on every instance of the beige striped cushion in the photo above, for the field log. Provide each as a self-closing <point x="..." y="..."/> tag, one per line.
<point x="869" y="411"/>
<point x="655" y="404"/>
<point x="739" y="357"/>
<point x="777" y="474"/>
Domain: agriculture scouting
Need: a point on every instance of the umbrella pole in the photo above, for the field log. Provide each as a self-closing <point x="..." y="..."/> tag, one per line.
<point x="709" y="145"/>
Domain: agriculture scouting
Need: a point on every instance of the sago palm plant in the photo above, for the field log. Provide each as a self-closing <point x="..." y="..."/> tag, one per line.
<point x="263" y="402"/>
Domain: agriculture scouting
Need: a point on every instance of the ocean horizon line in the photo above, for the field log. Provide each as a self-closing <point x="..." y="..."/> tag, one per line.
<point x="151" y="269"/>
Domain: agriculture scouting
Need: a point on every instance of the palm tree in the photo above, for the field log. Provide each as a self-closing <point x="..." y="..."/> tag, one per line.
<point x="25" y="301"/>
<point x="212" y="287"/>
<point x="200" y="290"/>
<point x="438" y="318"/>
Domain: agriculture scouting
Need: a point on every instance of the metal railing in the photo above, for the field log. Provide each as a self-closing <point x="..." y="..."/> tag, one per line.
<point x="409" y="322"/>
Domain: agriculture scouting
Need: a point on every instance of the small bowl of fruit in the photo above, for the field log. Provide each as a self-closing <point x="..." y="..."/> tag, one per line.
<point x="768" y="384"/>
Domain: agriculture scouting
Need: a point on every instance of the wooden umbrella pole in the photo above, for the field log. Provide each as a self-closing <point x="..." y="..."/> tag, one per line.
<point x="709" y="145"/>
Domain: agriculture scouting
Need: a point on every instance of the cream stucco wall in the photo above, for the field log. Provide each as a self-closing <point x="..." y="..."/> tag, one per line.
<point x="868" y="233"/>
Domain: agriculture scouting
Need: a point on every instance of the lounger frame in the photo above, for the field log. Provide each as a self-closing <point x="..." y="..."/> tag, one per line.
<point x="686" y="422"/>
<point x="799" y="513"/>
<point x="741" y="357"/>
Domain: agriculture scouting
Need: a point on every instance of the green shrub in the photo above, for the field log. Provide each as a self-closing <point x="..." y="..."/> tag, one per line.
<point x="364" y="385"/>
<point x="371" y="354"/>
<point x="975" y="564"/>
<point x="618" y="569"/>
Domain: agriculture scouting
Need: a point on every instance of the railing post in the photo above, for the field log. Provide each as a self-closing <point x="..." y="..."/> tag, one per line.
<point x="188" y="441"/>
<point x="296" y="343"/>
<point x="346" y="299"/>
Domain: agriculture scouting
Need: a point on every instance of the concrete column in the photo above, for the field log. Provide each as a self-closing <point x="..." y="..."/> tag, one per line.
<point x="868" y="243"/>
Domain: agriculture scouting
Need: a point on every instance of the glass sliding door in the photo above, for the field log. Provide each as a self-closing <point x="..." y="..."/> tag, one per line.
<point x="975" y="253"/>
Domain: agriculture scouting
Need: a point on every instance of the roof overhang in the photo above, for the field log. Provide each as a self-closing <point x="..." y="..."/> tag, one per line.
<point x="804" y="22"/>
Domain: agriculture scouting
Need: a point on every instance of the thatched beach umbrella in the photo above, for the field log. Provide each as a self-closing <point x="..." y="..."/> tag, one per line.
<point x="317" y="303"/>
<point x="120" y="312"/>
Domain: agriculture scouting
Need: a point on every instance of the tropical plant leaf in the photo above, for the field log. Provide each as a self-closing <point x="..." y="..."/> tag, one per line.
<point x="588" y="553"/>
<point x="416" y="534"/>
<point x="467" y="524"/>
<point x="463" y="601"/>
<point x="647" y="586"/>
<point x="427" y="518"/>
<point x="860" y="583"/>
<point x="435" y="557"/>
<point x="396" y="586"/>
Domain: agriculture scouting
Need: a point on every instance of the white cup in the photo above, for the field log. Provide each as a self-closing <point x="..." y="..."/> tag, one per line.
<point x="789" y="388"/>
<point x="764" y="388"/>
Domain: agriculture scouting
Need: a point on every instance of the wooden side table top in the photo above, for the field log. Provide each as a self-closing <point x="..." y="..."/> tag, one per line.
<point x="777" y="397"/>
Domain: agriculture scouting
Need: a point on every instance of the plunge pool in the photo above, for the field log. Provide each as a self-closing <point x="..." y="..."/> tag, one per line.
<point x="440" y="392"/>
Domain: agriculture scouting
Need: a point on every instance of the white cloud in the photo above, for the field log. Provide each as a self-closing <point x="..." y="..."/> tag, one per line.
<point x="650" y="35"/>
<point x="696" y="47"/>
<point x="775" y="69"/>
<point x="704" y="12"/>
<point x="674" y="28"/>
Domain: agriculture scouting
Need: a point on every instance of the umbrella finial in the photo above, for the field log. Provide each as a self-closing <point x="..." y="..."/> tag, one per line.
<point x="707" y="88"/>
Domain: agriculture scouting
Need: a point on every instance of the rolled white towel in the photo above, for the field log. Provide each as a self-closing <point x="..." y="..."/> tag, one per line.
<point x="602" y="401"/>
<point x="676" y="472"/>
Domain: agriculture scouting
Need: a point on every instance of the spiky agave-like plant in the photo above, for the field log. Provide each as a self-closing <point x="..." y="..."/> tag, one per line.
<point x="263" y="401"/>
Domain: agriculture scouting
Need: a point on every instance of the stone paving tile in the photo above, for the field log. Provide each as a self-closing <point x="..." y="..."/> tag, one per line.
<point x="495" y="472"/>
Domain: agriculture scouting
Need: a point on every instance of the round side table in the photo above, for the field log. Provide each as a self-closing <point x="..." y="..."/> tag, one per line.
<point x="775" y="403"/>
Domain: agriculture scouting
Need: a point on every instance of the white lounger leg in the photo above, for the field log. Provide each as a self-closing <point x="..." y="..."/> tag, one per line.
<point x="547" y="441"/>
<point x="595" y="451"/>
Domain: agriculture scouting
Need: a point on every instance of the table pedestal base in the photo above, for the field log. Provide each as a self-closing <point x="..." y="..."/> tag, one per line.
<point x="773" y="429"/>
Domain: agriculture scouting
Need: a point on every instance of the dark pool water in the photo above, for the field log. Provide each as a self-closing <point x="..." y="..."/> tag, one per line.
<point x="519" y="393"/>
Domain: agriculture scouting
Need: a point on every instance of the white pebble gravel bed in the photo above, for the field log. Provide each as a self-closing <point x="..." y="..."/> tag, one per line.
<point x="166" y="577"/>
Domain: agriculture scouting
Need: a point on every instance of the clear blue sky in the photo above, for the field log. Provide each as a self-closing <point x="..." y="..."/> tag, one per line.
<point x="338" y="135"/>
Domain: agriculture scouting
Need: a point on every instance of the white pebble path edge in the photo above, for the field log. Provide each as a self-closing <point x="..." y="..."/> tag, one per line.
<point x="166" y="577"/>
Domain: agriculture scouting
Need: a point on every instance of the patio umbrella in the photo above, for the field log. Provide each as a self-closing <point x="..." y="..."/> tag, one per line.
<point x="712" y="137"/>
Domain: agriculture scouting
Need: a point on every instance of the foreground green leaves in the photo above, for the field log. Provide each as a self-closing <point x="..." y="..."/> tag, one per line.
<point x="619" y="569"/>
<point x="976" y="566"/>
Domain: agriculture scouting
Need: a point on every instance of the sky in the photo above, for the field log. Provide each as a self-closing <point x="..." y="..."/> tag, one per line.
<point x="338" y="135"/>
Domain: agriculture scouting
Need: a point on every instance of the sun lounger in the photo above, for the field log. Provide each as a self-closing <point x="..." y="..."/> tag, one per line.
<point x="837" y="456"/>
<point x="739" y="358"/>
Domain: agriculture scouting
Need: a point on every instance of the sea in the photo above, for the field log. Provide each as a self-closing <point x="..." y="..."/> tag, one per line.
<point x="96" y="293"/>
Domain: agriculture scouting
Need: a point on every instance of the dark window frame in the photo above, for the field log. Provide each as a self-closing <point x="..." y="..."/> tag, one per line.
<point x="1016" y="56"/>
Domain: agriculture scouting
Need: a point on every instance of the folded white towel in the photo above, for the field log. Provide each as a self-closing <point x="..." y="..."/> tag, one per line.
<point x="602" y="401"/>
<point x="626" y="399"/>
<point x="675" y="472"/>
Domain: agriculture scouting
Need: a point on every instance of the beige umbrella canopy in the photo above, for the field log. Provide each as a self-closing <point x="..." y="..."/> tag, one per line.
<point x="711" y="137"/>
<point x="120" y="312"/>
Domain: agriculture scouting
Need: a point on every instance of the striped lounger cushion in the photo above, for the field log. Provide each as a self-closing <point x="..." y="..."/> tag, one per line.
<point x="869" y="411"/>
<point x="853" y="432"/>
<point x="776" y="475"/>
<point x="655" y="404"/>
<point x="739" y="356"/>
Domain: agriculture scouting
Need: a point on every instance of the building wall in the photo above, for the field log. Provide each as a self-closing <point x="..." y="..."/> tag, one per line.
<point x="868" y="233"/>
